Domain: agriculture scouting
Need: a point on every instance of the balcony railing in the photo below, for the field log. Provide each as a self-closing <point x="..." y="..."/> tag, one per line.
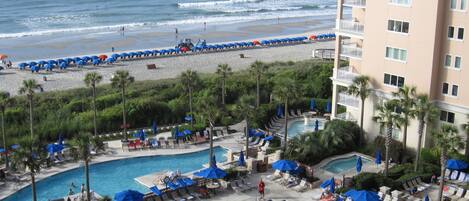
<point x="350" y="27"/>
<point x="346" y="116"/>
<point x="345" y="75"/>
<point x="355" y="3"/>
<point x="351" y="50"/>
<point x="348" y="100"/>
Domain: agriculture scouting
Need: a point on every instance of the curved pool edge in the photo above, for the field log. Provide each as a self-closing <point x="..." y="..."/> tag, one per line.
<point x="75" y="165"/>
<point x="324" y="174"/>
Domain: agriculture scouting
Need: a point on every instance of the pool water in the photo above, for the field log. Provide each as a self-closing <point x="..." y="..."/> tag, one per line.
<point x="298" y="126"/>
<point x="344" y="164"/>
<point x="110" y="177"/>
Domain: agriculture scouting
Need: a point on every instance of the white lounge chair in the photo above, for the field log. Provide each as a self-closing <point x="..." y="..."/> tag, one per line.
<point x="451" y="191"/>
<point x="276" y="175"/>
<point x="301" y="187"/>
<point x="459" y="194"/>
<point x="420" y="182"/>
<point x="462" y="177"/>
<point x="284" y="179"/>
<point x="454" y="175"/>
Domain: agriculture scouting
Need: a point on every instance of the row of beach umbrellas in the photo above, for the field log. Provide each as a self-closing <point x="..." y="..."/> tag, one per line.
<point x="36" y="66"/>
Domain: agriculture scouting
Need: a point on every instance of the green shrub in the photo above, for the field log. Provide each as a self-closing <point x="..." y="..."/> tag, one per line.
<point x="372" y="181"/>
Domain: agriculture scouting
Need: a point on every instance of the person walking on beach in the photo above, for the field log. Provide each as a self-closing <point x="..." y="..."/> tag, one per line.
<point x="261" y="188"/>
<point x="112" y="49"/>
<point x="205" y="26"/>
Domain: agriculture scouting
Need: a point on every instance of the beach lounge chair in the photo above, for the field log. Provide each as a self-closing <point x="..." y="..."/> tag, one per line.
<point x="419" y="187"/>
<point x="284" y="179"/>
<point x="461" y="178"/>
<point x="294" y="181"/>
<point x="276" y="175"/>
<point x="466" y="197"/>
<point x="186" y="195"/>
<point x="157" y="192"/>
<point x="299" y="113"/>
<point x="407" y="187"/>
<point x="459" y="194"/>
<point x="301" y="187"/>
<point x="421" y="183"/>
<point x="451" y="191"/>
<point x="175" y="196"/>
<point x="454" y="175"/>
<point x="235" y="187"/>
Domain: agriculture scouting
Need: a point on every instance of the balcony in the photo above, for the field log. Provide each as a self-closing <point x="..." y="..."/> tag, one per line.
<point x="346" y="116"/>
<point x="348" y="100"/>
<point x="345" y="76"/>
<point x="350" y="28"/>
<point x="351" y="51"/>
<point x="355" y="3"/>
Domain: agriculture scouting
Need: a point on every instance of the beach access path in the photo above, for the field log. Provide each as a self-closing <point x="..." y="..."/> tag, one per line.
<point x="167" y="67"/>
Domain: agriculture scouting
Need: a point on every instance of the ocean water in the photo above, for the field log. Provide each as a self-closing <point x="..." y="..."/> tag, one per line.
<point x="25" y="18"/>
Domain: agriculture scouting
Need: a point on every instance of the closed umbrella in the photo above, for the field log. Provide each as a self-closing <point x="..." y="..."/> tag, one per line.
<point x="332" y="186"/>
<point x="359" y="164"/>
<point x="328" y="107"/>
<point x="279" y="111"/>
<point x="427" y="198"/>
<point x="154" y="127"/>
<point x="312" y="104"/>
<point x="316" y="125"/>
<point x="241" y="161"/>
<point x="378" y="157"/>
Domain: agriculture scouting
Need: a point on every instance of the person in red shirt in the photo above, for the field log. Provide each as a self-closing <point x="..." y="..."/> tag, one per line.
<point x="260" y="188"/>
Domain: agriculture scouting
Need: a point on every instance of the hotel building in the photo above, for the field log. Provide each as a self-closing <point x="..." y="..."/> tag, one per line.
<point x="421" y="43"/>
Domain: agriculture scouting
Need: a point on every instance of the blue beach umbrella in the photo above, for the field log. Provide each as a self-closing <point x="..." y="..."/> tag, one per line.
<point x="362" y="195"/>
<point x="454" y="164"/>
<point x="211" y="173"/>
<point x="378" y="157"/>
<point x="60" y="140"/>
<point x="129" y="195"/>
<point x="241" y="161"/>
<point x="328" y="107"/>
<point x="32" y="63"/>
<point x="22" y="65"/>
<point x="284" y="165"/>
<point x="259" y="134"/>
<point x="48" y="67"/>
<point x="269" y="138"/>
<point x="312" y="104"/>
<point x="326" y="183"/>
<point x="359" y="164"/>
<point x="63" y="65"/>
<point x="154" y="127"/>
<point x="81" y="63"/>
<point x="96" y="61"/>
<point x="2" y="150"/>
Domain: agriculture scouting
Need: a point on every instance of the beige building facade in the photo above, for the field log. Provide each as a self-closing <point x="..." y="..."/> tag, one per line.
<point x="421" y="43"/>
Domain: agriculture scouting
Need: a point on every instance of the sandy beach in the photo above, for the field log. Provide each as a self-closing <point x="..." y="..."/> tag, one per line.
<point x="168" y="67"/>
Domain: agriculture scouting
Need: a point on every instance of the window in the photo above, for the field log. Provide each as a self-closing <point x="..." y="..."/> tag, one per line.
<point x="453" y="4"/>
<point x="461" y="33"/>
<point x="445" y="88"/>
<point x="457" y="62"/>
<point x="401" y="2"/>
<point x="454" y="92"/>
<point x="450" y="32"/>
<point x="463" y="5"/>
<point x="396" y="54"/>
<point x="394" y="80"/>
<point x="448" y="61"/>
<point x="398" y="26"/>
<point x="447" y="116"/>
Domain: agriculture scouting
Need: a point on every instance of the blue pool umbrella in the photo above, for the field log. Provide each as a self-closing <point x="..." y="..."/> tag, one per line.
<point x="328" y="107"/>
<point x="142" y="135"/>
<point x="332" y="186"/>
<point x="326" y="183"/>
<point x="316" y="125"/>
<point x="268" y="138"/>
<point x="187" y="132"/>
<point x="378" y="157"/>
<point x="129" y="195"/>
<point x="454" y="164"/>
<point x="211" y="173"/>
<point x="2" y="150"/>
<point x="213" y="163"/>
<point x="312" y="104"/>
<point x="154" y="127"/>
<point x="186" y="181"/>
<point x="362" y="195"/>
<point x="15" y="146"/>
<point x="284" y="165"/>
<point x="279" y="111"/>
<point x="359" y="164"/>
<point x="241" y="161"/>
<point x="188" y="118"/>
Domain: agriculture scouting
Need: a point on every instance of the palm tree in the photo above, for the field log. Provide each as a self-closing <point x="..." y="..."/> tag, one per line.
<point x="361" y="88"/>
<point x="223" y="71"/>
<point x="209" y="112"/>
<point x="29" y="88"/>
<point x="388" y="119"/>
<point x="82" y="144"/>
<point x="28" y="155"/>
<point x="465" y="127"/>
<point x="190" y="81"/>
<point x="285" y="90"/>
<point x="425" y="111"/>
<point x="406" y="96"/>
<point x="246" y="109"/>
<point x="447" y="141"/>
<point x="258" y="69"/>
<point x="303" y="146"/>
<point x="4" y="100"/>
<point x="121" y="79"/>
<point x="91" y="80"/>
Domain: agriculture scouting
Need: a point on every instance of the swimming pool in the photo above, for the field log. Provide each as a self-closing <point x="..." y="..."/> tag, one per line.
<point x="298" y="126"/>
<point x="110" y="177"/>
<point x="344" y="164"/>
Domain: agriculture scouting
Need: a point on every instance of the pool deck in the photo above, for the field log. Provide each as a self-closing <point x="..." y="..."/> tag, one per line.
<point x="115" y="152"/>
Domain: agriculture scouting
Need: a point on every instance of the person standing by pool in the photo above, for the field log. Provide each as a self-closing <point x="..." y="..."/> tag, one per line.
<point x="261" y="188"/>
